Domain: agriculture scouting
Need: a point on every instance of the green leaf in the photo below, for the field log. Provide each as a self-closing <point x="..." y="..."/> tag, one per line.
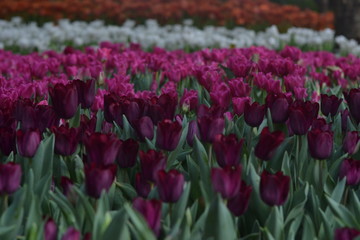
<point x="42" y="162"/>
<point x="174" y="154"/>
<point x="338" y="191"/>
<point x="275" y="223"/>
<point x="308" y="229"/>
<point x="343" y="215"/>
<point x="86" y="204"/>
<point x="75" y="121"/>
<point x="219" y="223"/>
<point x="102" y="217"/>
<point x="139" y="226"/>
<point x="180" y="206"/>
<point x="228" y="72"/>
<point x="118" y="229"/>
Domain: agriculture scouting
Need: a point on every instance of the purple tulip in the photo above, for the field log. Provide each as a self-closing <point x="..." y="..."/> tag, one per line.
<point x="353" y="101"/>
<point x="193" y="131"/>
<point x="226" y="181"/>
<point x="144" y="128"/>
<point x="86" y="92"/>
<point x="28" y="142"/>
<point x="10" y="177"/>
<point x="66" y="185"/>
<point x="227" y="150"/>
<point x="350" y="142"/>
<point x="7" y="140"/>
<point x="150" y="163"/>
<point x="279" y="106"/>
<point x="142" y="186"/>
<point x="98" y="178"/>
<point x="46" y="117"/>
<point x="301" y="115"/>
<point x="127" y="154"/>
<point x="268" y="143"/>
<point x="320" y="143"/>
<point x="321" y="124"/>
<point x="346" y="233"/>
<point x="151" y="211"/>
<point x="330" y="104"/>
<point x="50" y="230"/>
<point x="209" y="127"/>
<point x="102" y="148"/>
<point x="64" y="99"/>
<point x="112" y="109"/>
<point x="274" y="188"/>
<point x="254" y="114"/>
<point x="239" y="105"/>
<point x="168" y="135"/>
<point x="350" y="168"/>
<point x="170" y="185"/>
<point x="66" y="140"/>
<point x="71" y="234"/>
<point x="239" y="204"/>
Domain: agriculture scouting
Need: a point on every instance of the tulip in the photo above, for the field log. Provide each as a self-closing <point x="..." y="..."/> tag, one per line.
<point x="168" y="135"/>
<point x="66" y="140"/>
<point x="10" y="177"/>
<point x="320" y="143"/>
<point x="268" y="143"/>
<point x="254" y="114"/>
<point x="189" y="100"/>
<point x="350" y="168"/>
<point x="239" y="105"/>
<point x="66" y="185"/>
<point x="330" y="104"/>
<point x="25" y="113"/>
<point x="46" y="117"/>
<point x="321" y="124"/>
<point x="86" y="92"/>
<point x="50" y="230"/>
<point x="71" y="234"/>
<point x="151" y="211"/>
<point x="353" y="101"/>
<point x="98" y="178"/>
<point x="28" y="142"/>
<point x="279" y="106"/>
<point x="346" y="233"/>
<point x="168" y="102"/>
<point x="274" y="188"/>
<point x="144" y="128"/>
<point x="193" y="131"/>
<point x="220" y="95"/>
<point x="350" y="142"/>
<point x="7" y="140"/>
<point x="102" y="148"/>
<point x="239" y="204"/>
<point x="142" y="186"/>
<point x="226" y="181"/>
<point x="150" y="163"/>
<point x="209" y="127"/>
<point x="227" y="150"/>
<point x="344" y="118"/>
<point x="64" y="99"/>
<point x="301" y="115"/>
<point x="170" y="185"/>
<point x="126" y="156"/>
<point x="112" y="109"/>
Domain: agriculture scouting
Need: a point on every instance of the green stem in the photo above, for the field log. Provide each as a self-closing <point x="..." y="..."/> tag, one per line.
<point x="345" y="199"/>
<point x="5" y="202"/>
<point x="210" y="156"/>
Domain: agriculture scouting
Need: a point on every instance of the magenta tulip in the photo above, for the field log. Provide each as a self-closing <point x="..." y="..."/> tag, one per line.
<point x="28" y="142"/>
<point x="151" y="211"/>
<point x="274" y="188"/>
<point x="170" y="185"/>
<point x="226" y="181"/>
<point x="168" y="135"/>
<point x="227" y="150"/>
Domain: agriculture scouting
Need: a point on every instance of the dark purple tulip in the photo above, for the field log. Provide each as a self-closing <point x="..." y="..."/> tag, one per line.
<point x="112" y="109"/>
<point x="66" y="185"/>
<point x="150" y="163"/>
<point x="66" y="140"/>
<point x="346" y="233"/>
<point x="279" y="106"/>
<point x="98" y="178"/>
<point x="350" y="142"/>
<point x="132" y="111"/>
<point x="126" y="156"/>
<point x="209" y="127"/>
<point x="170" y="185"/>
<point x="239" y="204"/>
<point x="239" y="105"/>
<point x="25" y="113"/>
<point x="274" y="188"/>
<point x="168" y="135"/>
<point x="71" y="234"/>
<point x="50" y="230"/>
<point x="193" y="131"/>
<point x="7" y="140"/>
<point x="28" y="142"/>
<point x="46" y="117"/>
<point x="320" y="123"/>
<point x="151" y="211"/>
<point x="102" y="148"/>
<point x="227" y="150"/>
<point x="142" y="186"/>
<point x="254" y="114"/>
<point x="330" y="104"/>
<point x="350" y="168"/>
<point x="64" y="99"/>
<point x="320" y="143"/>
<point x="226" y="181"/>
<point x="268" y="143"/>
<point x="144" y="128"/>
<point x="168" y="102"/>
<point x="344" y="117"/>
<point x="353" y="101"/>
<point x="86" y="92"/>
<point x="10" y="177"/>
<point x="301" y="115"/>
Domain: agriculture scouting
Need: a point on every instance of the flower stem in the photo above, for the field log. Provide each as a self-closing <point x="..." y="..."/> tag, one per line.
<point x="210" y="156"/>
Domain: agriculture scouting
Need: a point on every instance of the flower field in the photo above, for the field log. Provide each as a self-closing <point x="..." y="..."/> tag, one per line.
<point x="232" y="143"/>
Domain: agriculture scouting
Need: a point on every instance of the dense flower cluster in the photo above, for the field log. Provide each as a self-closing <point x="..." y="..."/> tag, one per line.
<point x="245" y="12"/>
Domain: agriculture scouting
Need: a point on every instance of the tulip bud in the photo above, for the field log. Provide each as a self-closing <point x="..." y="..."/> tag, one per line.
<point x="320" y="143"/>
<point x="227" y="150"/>
<point x="226" y="181"/>
<point x="142" y="186"/>
<point x="71" y="234"/>
<point x="350" y="142"/>
<point x="10" y="177"/>
<point x="102" y="148"/>
<point x="151" y="162"/>
<point x="274" y="188"/>
<point x="353" y="101"/>
<point x="239" y="204"/>
<point x="170" y="185"/>
<point x="350" y="168"/>
<point x="268" y="143"/>
<point x="330" y="104"/>
<point x="127" y="154"/>
<point x="346" y="233"/>
<point x="50" y="230"/>
<point x="99" y="178"/>
<point x="66" y="140"/>
<point x="64" y="99"/>
<point x="254" y="114"/>
<point x="28" y="142"/>
<point x="151" y="211"/>
<point x="168" y="135"/>
<point x="86" y="92"/>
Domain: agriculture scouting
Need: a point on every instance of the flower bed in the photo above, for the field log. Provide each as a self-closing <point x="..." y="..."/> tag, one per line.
<point x="224" y="144"/>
